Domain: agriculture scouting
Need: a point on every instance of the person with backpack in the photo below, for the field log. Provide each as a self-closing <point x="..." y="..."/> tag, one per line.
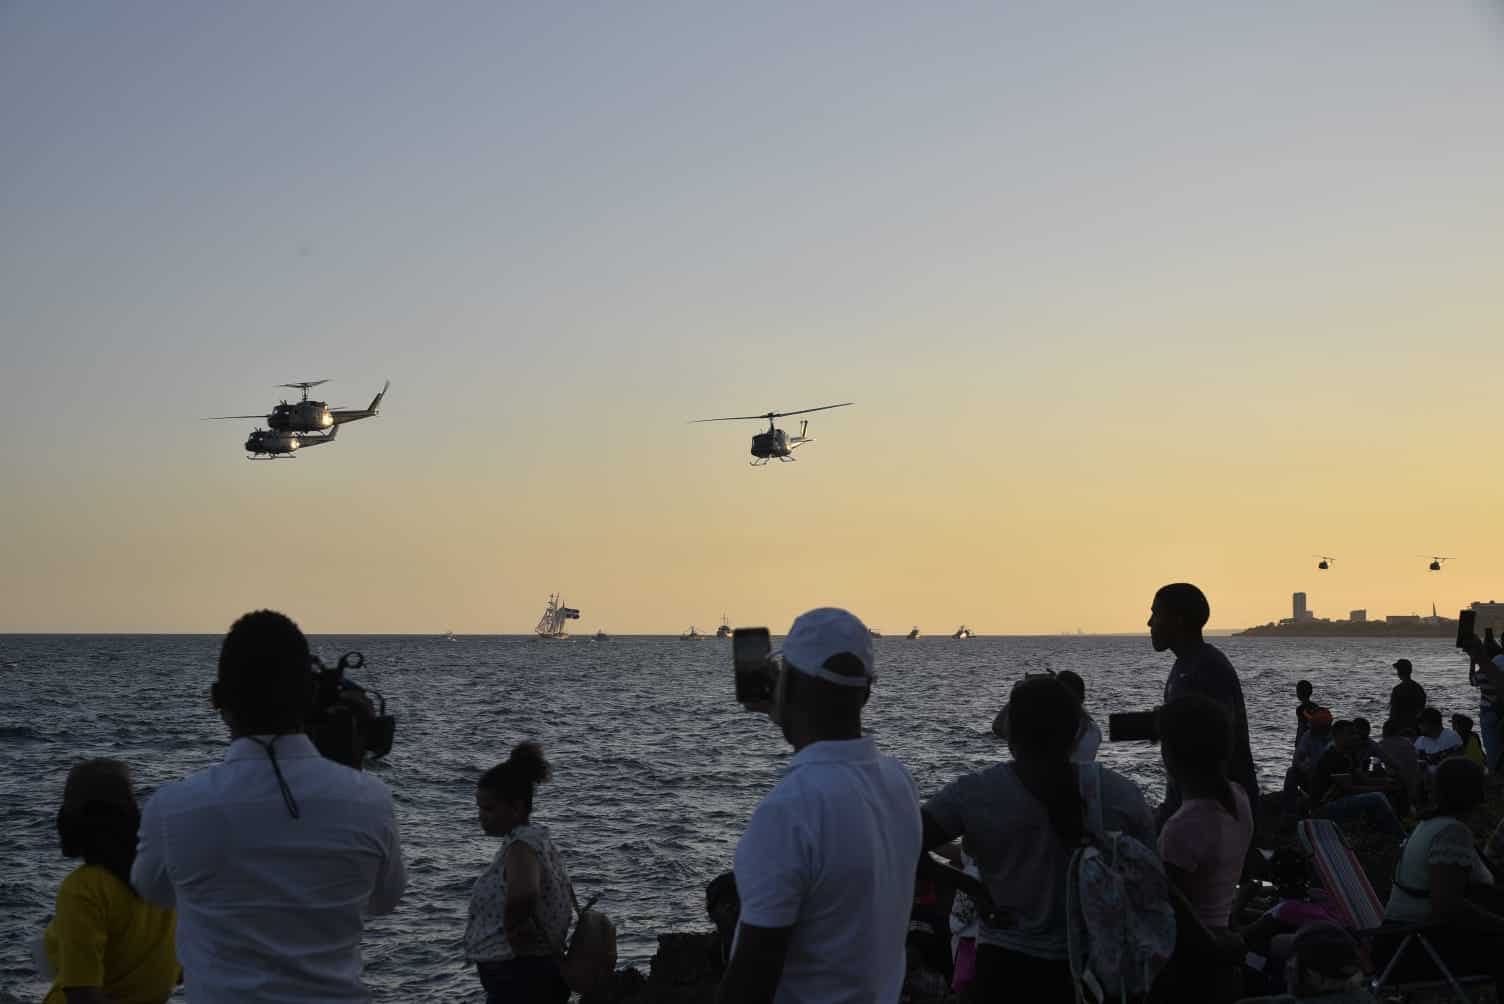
<point x="520" y="907"/>
<point x="1023" y="823"/>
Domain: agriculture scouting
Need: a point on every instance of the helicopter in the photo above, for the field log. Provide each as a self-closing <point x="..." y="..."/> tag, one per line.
<point x="1326" y="561"/>
<point x="272" y="444"/>
<point x="1435" y="565"/>
<point x="775" y="443"/>
<point x="310" y="416"/>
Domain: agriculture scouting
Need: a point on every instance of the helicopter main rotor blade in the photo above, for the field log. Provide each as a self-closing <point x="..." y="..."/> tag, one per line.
<point x="221" y="418"/>
<point x="735" y="418"/>
<point x="806" y="411"/>
<point x="304" y="385"/>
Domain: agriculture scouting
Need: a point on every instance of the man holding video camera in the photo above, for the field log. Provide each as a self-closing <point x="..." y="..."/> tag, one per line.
<point x="273" y="857"/>
<point x="825" y="869"/>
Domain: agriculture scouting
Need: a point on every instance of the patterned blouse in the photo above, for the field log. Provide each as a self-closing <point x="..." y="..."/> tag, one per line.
<point x="485" y="939"/>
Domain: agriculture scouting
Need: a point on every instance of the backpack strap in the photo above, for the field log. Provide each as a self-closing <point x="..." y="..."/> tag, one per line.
<point x="1090" y="776"/>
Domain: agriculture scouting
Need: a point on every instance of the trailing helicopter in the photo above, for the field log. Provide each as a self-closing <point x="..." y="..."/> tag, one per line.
<point x="271" y="444"/>
<point x="1326" y="561"/>
<point x="304" y="415"/>
<point x="1435" y="565"/>
<point x="775" y="443"/>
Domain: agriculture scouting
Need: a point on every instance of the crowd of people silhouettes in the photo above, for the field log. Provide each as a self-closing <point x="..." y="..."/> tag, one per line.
<point x="252" y="879"/>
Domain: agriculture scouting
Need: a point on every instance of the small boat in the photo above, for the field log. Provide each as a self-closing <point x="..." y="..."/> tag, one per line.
<point x="691" y="635"/>
<point x="555" y="616"/>
<point x="963" y="632"/>
<point x="449" y="636"/>
<point x="913" y="633"/>
<point x="724" y="631"/>
<point x="601" y="635"/>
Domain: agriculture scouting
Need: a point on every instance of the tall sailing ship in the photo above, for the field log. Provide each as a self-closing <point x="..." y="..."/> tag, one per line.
<point x="724" y="631"/>
<point x="555" y="616"/>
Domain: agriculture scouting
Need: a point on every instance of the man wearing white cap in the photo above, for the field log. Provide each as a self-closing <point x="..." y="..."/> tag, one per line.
<point x="826" y="866"/>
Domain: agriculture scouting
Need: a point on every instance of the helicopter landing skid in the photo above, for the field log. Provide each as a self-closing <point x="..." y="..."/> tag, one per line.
<point x="763" y="462"/>
<point x="288" y="456"/>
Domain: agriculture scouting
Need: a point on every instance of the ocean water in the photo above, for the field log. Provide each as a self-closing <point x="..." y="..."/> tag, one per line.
<point x="656" y="769"/>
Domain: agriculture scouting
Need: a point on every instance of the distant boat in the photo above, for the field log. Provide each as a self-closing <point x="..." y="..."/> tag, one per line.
<point x="449" y="636"/>
<point x="963" y="632"/>
<point x="601" y="635"/>
<point x="913" y="633"/>
<point x="691" y="635"/>
<point x="724" y="631"/>
<point x="555" y="616"/>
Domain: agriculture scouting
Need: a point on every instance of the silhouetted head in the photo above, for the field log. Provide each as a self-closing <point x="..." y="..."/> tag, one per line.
<point x="1344" y="736"/>
<point x="1403" y="669"/>
<point x="1391" y="728"/>
<point x="1324" y="959"/>
<point x="723" y="903"/>
<point x="98" y="819"/>
<point x="1195" y="737"/>
<point x="829" y="666"/>
<point x="1178" y="614"/>
<point x="1459" y="787"/>
<point x="1073" y="682"/>
<point x="504" y="794"/>
<point x="265" y="683"/>
<point x="1291" y="873"/>
<point x="1430" y="723"/>
<point x="1303" y="690"/>
<point x="1462" y="725"/>
<point x="1362" y="729"/>
<point x="1043" y="719"/>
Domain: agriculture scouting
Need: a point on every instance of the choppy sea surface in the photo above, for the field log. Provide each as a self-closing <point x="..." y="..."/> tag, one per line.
<point x="656" y="768"/>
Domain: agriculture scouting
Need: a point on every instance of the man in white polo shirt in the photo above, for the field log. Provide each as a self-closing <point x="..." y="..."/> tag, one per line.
<point x="274" y="857"/>
<point x="826" y="866"/>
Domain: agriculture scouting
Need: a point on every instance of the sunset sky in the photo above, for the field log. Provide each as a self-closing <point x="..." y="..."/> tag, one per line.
<point x="1122" y="298"/>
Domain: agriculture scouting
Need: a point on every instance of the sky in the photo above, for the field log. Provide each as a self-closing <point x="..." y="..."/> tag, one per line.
<point x="1123" y="297"/>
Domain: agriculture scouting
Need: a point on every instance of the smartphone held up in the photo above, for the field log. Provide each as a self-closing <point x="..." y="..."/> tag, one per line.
<point x="752" y="660"/>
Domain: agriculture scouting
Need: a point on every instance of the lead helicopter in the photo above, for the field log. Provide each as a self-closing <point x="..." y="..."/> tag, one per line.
<point x="775" y="443"/>
<point x="304" y="415"/>
<point x="273" y="444"/>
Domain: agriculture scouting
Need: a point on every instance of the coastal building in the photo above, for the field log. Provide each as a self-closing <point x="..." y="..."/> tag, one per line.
<point x="1357" y="616"/>
<point x="1403" y="620"/>
<point x="1299" y="613"/>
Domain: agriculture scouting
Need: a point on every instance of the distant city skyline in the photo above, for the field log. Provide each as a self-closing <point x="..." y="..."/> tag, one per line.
<point x="1122" y="296"/>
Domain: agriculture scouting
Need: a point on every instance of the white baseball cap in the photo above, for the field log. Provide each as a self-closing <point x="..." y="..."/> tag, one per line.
<point x="824" y="632"/>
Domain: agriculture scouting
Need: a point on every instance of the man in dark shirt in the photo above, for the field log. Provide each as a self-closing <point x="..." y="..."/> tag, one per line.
<point x="1176" y="618"/>
<point x="1304" y="709"/>
<point x="1342" y="790"/>
<point x="1408" y="698"/>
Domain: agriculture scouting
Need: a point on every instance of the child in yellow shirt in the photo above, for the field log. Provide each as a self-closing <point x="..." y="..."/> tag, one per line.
<point x="105" y="943"/>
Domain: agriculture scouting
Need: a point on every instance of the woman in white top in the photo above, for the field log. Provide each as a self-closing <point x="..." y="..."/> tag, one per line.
<point x="520" y="908"/>
<point x="1442" y="880"/>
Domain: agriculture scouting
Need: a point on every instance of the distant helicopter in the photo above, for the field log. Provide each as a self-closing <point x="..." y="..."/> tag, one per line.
<point x="1435" y="565"/>
<point x="775" y="443"/>
<point x="310" y="416"/>
<point x="270" y="444"/>
<point x="1325" y="562"/>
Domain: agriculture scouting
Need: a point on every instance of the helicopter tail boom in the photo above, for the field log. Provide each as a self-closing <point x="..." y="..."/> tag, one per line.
<point x="352" y="415"/>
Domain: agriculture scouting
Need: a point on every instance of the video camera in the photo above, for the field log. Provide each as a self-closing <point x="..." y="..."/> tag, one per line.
<point x="343" y="723"/>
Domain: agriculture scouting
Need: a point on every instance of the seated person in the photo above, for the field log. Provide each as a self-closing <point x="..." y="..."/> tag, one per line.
<point x="1402" y="763"/>
<point x="1441" y="880"/>
<point x="1472" y="746"/>
<point x="724" y="906"/>
<point x="1308" y="750"/>
<point x="1298" y="905"/>
<point x="1341" y="790"/>
<point x="1325" y="966"/>
<point x="1435" y="743"/>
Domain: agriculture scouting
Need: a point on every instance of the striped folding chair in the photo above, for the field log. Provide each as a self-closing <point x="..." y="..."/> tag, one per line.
<point x="1342" y="876"/>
